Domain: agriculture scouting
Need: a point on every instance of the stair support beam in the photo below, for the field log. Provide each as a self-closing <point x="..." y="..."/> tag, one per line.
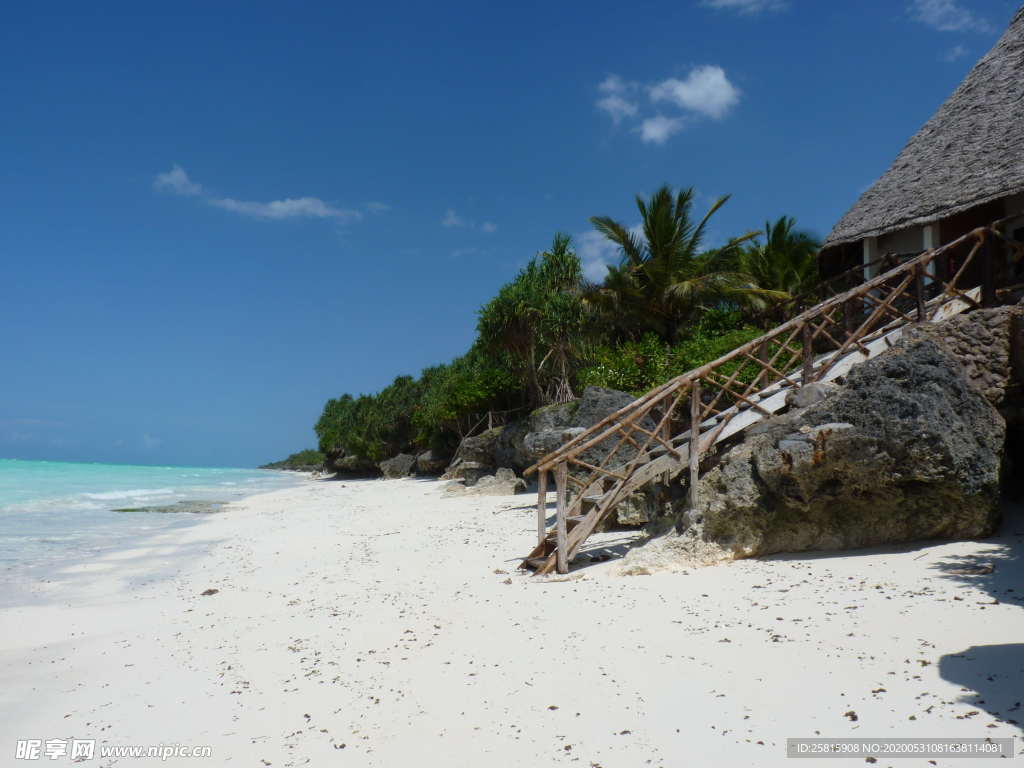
<point x="542" y="506"/>
<point x="561" y="536"/>
<point x="694" y="441"/>
<point x="808" y="353"/>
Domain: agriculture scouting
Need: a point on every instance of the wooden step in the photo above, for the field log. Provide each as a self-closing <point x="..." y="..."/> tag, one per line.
<point x="551" y="539"/>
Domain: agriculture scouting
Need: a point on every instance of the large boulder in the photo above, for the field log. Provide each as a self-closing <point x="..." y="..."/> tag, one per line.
<point x="475" y="457"/>
<point x="467" y="472"/>
<point x="351" y="467"/>
<point x="907" y="449"/>
<point x="989" y="346"/>
<point x="552" y="427"/>
<point x="520" y="444"/>
<point x="480" y="448"/>
<point x="502" y="483"/>
<point x="430" y="463"/>
<point x="398" y="466"/>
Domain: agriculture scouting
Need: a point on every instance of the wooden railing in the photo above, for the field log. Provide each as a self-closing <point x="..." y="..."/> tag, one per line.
<point x="604" y="464"/>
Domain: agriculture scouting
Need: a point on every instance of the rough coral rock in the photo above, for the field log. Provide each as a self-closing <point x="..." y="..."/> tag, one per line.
<point x="520" y="444"/>
<point x="503" y="482"/>
<point x="907" y="449"/>
<point x="352" y="467"/>
<point x="398" y="466"/>
<point x="429" y="463"/>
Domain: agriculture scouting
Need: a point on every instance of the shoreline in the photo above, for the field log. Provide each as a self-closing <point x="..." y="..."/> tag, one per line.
<point x="384" y="617"/>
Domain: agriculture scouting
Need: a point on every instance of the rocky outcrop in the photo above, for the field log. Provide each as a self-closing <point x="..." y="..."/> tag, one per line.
<point x="520" y="444"/>
<point x="909" y="447"/>
<point x="987" y="344"/>
<point x="475" y="457"/>
<point x="430" y="464"/>
<point x="502" y="483"/>
<point x="351" y="467"/>
<point x="551" y="427"/>
<point x="398" y="466"/>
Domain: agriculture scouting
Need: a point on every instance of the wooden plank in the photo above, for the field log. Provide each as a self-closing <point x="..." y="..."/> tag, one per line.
<point x="552" y="458"/>
<point x="660" y="438"/>
<point x="795" y="323"/>
<point x="919" y="291"/>
<point x="891" y="309"/>
<point x="808" y="354"/>
<point x="582" y="532"/>
<point x="591" y="467"/>
<point x="769" y="368"/>
<point x="563" y="562"/>
<point x="694" y="442"/>
<point x="727" y="390"/>
<point x="773" y="399"/>
<point x="666" y="440"/>
<point x="988" y="275"/>
<point x="542" y="506"/>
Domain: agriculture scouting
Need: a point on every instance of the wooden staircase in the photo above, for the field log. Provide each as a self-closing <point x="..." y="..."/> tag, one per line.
<point x="652" y="438"/>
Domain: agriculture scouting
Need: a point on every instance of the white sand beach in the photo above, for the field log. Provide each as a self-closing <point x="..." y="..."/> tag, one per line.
<point x="377" y="623"/>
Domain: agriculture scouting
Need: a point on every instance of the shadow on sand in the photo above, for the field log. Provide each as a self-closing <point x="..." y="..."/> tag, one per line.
<point x="991" y="677"/>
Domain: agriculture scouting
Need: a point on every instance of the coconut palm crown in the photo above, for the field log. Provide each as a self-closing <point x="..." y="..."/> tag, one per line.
<point x="665" y="276"/>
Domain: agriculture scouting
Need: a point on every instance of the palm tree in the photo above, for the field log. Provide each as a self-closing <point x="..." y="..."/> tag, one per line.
<point x="540" y="314"/>
<point x="786" y="261"/>
<point x="665" y="276"/>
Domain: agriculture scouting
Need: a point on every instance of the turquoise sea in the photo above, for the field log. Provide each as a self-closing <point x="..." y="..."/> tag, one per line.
<point x="52" y="512"/>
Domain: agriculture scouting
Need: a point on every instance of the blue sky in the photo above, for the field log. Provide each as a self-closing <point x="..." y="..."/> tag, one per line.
<point x="216" y="216"/>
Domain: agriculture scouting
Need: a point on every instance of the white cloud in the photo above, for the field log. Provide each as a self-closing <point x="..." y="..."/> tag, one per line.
<point x="618" y="107"/>
<point x="452" y="219"/>
<point x="658" y="129"/>
<point x="290" y="208"/>
<point x="597" y="253"/>
<point x="954" y="53"/>
<point x="706" y="90"/>
<point x="178" y="182"/>
<point x="615" y="84"/>
<point x="616" y="103"/>
<point x="747" y="6"/>
<point x="948" y="16"/>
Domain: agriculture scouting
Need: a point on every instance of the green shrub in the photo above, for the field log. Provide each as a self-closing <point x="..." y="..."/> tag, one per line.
<point x="638" y="366"/>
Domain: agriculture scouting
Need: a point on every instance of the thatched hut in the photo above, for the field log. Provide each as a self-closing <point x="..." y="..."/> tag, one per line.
<point x="963" y="169"/>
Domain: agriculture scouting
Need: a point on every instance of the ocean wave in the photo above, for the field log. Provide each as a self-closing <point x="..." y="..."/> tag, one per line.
<point x="136" y="493"/>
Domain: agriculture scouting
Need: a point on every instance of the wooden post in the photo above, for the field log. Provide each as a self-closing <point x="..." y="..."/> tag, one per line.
<point x="919" y="291"/>
<point x="695" y="405"/>
<point x="561" y="561"/>
<point x="542" y="506"/>
<point x="988" y="277"/>
<point x="762" y="352"/>
<point x="666" y="434"/>
<point x="808" y="372"/>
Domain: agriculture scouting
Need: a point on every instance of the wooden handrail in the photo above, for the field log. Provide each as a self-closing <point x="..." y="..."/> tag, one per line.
<point x="586" y="439"/>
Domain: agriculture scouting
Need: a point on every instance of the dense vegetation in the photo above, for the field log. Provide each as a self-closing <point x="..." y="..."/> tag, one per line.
<point x="669" y="305"/>
<point x="307" y="460"/>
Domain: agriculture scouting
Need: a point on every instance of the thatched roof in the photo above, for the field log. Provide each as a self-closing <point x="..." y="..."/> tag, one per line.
<point x="969" y="153"/>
